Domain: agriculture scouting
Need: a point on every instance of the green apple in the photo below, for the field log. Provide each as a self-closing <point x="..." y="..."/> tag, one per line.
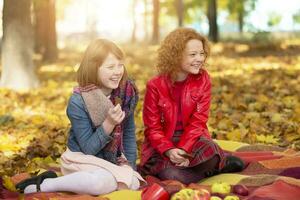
<point x="221" y="187"/>
<point x="190" y="194"/>
<point x="215" y="198"/>
<point x="232" y="198"/>
<point x="184" y="194"/>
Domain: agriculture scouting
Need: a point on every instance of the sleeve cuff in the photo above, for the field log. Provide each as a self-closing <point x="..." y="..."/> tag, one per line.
<point x="104" y="138"/>
<point x="164" y="150"/>
<point x="186" y="148"/>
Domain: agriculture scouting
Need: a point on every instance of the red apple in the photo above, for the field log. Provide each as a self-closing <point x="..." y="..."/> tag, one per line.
<point x="201" y="194"/>
<point x="240" y="190"/>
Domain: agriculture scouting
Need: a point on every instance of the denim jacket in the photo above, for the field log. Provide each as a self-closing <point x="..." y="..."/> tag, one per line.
<point x="86" y="138"/>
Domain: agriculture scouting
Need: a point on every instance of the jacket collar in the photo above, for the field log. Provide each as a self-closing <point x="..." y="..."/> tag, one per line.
<point x="170" y="84"/>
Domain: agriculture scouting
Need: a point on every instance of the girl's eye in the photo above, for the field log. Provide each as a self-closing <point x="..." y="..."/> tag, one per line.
<point x="192" y="54"/>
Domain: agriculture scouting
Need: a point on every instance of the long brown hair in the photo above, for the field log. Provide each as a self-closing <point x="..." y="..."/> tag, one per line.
<point x="94" y="56"/>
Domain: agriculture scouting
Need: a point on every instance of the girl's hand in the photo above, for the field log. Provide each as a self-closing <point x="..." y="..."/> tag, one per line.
<point x="175" y="155"/>
<point x="186" y="163"/>
<point x="114" y="117"/>
<point x="122" y="161"/>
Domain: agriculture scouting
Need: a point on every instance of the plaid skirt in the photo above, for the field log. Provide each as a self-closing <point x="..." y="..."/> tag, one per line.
<point x="204" y="149"/>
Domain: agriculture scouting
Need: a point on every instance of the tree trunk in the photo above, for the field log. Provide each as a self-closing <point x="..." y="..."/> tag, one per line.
<point x="180" y="12"/>
<point x="155" y="33"/>
<point x="241" y="21"/>
<point x="45" y="30"/>
<point x="146" y="21"/>
<point x="133" y="35"/>
<point x="212" y="20"/>
<point x="18" y="71"/>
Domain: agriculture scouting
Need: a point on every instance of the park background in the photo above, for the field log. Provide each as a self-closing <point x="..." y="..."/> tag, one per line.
<point x="254" y="66"/>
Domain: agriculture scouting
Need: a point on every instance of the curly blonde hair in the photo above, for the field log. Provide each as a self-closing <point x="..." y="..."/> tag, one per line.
<point x="171" y="50"/>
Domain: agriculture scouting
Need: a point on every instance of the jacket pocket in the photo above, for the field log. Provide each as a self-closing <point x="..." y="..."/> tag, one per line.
<point x="195" y="95"/>
<point x="164" y="104"/>
<point x="164" y="107"/>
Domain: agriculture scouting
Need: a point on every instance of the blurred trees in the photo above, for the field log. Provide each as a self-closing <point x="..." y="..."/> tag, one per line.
<point x="155" y="22"/>
<point x="133" y="35"/>
<point x="175" y="9"/>
<point x="179" y="8"/>
<point x="19" y="37"/>
<point x="42" y="31"/>
<point x="180" y="11"/>
<point x="45" y="30"/>
<point x="296" y="17"/>
<point x="274" y="19"/>
<point x="18" y="70"/>
<point x="213" y="33"/>
<point x="239" y="9"/>
<point x="146" y="20"/>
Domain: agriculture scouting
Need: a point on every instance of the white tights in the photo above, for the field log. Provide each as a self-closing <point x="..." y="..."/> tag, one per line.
<point x="94" y="182"/>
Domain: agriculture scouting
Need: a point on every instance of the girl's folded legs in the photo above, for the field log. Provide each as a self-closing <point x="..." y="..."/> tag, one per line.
<point x="209" y="167"/>
<point x="94" y="182"/>
<point x="185" y="176"/>
<point x="190" y="175"/>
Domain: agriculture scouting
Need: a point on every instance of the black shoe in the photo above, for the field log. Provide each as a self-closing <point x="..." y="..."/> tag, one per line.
<point x="233" y="164"/>
<point x="211" y="173"/>
<point x="36" y="180"/>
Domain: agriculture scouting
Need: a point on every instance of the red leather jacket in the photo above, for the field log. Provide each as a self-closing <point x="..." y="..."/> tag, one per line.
<point x="160" y="114"/>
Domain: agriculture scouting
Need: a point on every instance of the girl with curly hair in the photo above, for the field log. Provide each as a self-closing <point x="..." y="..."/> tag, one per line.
<point x="101" y="148"/>
<point x="177" y="143"/>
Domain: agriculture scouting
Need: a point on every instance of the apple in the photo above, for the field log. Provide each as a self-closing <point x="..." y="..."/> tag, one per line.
<point x="240" y="190"/>
<point x="184" y="194"/>
<point x="190" y="194"/>
<point x="201" y="194"/>
<point x="221" y="187"/>
<point x="215" y="198"/>
<point x="232" y="198"/>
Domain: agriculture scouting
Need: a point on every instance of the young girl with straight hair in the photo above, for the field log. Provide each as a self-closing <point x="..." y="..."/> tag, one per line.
<point x="101" y="147"/>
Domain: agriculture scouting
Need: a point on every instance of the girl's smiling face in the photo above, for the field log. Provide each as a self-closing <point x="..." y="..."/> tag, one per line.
<point x="110" y="73"/>
<point x="192" y="60"/>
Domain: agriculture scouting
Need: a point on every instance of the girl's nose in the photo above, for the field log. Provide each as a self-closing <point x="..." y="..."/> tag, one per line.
<point x="200" y="57"/>
<point x="118" y="71"/>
